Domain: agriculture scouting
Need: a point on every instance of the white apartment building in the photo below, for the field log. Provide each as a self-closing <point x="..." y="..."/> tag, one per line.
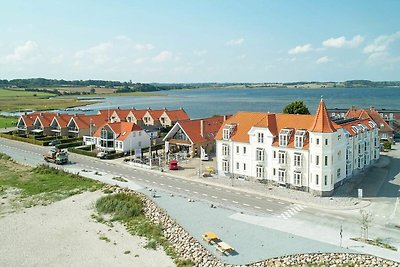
<point x="304" y="152"/>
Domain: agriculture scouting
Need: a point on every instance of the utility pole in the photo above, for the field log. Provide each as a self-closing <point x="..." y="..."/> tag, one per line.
<point x="150" y="156"/>
<point x="341" y="235"/>
<point x="91" y="135"/>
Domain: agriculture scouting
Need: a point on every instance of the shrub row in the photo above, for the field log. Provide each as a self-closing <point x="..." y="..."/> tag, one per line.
<point x="73" y="144"/>
<point x="82" y="152"/>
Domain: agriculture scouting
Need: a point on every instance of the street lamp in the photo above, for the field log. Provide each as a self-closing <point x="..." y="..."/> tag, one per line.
<point x="91" y="137"/>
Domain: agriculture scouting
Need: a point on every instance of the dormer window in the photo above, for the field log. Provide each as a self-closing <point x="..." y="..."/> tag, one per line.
<point x="372" y="124"/>
<point x="299" y="138"/>
<point x="227" y="131"/>
<point x="226" y="134"/>
<point x="284" y="137"/>
<point x="260" y="137"/>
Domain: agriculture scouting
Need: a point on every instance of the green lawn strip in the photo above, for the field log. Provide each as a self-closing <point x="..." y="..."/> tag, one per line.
<point x="128" y="209"/>
<point x="8" y="121"/>
<point x="42" y="184"/>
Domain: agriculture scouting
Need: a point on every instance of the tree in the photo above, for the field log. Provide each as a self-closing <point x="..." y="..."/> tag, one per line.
<point x="296" y="107"/>
<point x="365" y="222"/>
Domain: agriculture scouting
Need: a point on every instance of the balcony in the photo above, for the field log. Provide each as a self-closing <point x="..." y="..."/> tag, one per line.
<point x="73" y="130"/>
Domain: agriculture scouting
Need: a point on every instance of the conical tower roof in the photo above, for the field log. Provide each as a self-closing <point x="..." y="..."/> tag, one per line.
<point x="322" y="122"/>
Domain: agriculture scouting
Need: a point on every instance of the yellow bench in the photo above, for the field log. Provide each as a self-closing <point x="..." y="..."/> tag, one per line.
<point x="224" y="248"/>
<point x="210" y="237"/>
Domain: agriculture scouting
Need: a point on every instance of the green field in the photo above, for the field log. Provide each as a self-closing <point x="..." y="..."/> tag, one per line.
<point x="6" y="122"/>
<point x="20" y="100"/>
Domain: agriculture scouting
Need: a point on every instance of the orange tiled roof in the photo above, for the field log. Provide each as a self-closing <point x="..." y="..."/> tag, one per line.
<point x="322" y="122"/>
<point x="63" y="119"/>
<point x="121" y="129"/>
<point x="210" y="128"/>
<point x="372" y="114"/>
<point x="46" y="118"/>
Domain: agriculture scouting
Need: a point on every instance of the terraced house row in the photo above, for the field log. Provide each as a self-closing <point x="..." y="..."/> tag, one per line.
<point x="304" y="152"/>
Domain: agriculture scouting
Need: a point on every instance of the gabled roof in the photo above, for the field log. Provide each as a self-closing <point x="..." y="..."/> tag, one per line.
<point x="177" y="115"/>
<point x="83" y="121"/>
<point x="28" y="119"/>
<point x="121" y="129"/>
<point x="348" y="126"/>
<point x="371" y="114"/>
<point x="63" y="119"/>
<point x="210" y="128"/>
<point x="46" y="118"/>
<point x="322" y="121"/>
<point x="156" y="114"/>
<point x="138" y="113"/>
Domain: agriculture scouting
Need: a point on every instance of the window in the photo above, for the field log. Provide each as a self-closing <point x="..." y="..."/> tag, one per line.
<point x="274" y="172"/>
<point x="297" y="178"/>
<point x="226" y="134"/>
<point x="326" y="141"/>
<point x="244" y="150"/>
<point x="316" y="179"/>
<point x="282" y="157"/>
<point x="338" y="174"/>
<point x="140" y="143"/>
<point x="284" y="136"/>
<point x="134" y="134"/>
<point x="317" y="141"/>
<point x="237" y="149"/>
<point x="299" y="138"/>
<point x="326" y="180"/>
<point x="140" y="133"/>
<point x="244" y="166"/>
<point x="339" y="137"/>
<point x="274" y="154"/>
<point x="237" y="165"/>
<point x="259" y="172"/>
<point x="225" y="166"/>
<point x="260" y="137"/>
<point x="326" y="160"/>
<point x="260" y="155"/>
<point x="297" y="160"/>
<point x="339" y="155"/>
<point x="317" y="160"/>
<point x="282" y="176"/>
<point x="225" y="150"/>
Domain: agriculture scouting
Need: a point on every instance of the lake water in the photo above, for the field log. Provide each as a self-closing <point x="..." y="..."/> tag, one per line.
<point x="207" y="102"/>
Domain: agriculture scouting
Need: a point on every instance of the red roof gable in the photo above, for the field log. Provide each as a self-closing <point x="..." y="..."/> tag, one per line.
<point x="210" y="128"/>
<point x="121" y="129"/>
<point x="322" y="122"/>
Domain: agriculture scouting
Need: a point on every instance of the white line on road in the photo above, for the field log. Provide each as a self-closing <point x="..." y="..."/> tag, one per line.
<point x="257" y="207"/>
<point x="258" y="197"/>
<point x="205" y="195"/>
<point x="195" y="192"/>
<point x="178" y="188"/>
<point x="237" y="193"/>
<point x="281" y="203"/>
<point x="224" y="199"/>
<point x="170" y="186"/>
<point x="214" y="196"/>
<point x="187" y="190"/>
<point x="269" y="210"/>
<point x="162" y="184"/>
<point x="233" y="201"/>
<point x="247" y="205"/>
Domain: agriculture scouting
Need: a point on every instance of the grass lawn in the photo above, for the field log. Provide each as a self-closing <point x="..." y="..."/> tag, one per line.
<point x="6" y="121"/>
<point x="41" y="185"/>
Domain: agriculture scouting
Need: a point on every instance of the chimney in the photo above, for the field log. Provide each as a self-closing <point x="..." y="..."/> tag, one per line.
<point x="224" y="117"/>
<point x="148" y="108"/>
<point x="118" y="108"/>
<point x="201" y="128"/>
<point x="165" y="108"/>
<point x="133" y="108"/>
<point x="58" y="114"/>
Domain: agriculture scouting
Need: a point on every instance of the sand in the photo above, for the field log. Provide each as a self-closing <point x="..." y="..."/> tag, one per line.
<point x="64" y="234"/>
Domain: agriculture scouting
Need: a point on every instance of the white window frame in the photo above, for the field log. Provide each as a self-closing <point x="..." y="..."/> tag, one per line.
<point x="225" y="166"/>
<point x="225" y="150"/>
<point x="260" y="154"/>
<point x="226" y="134"/>
<point x="281" y="176"/>
<point x="260" y="137"/>
<point x="297" y="177"/>
<point x="260" y="172"/>
<point x="297" y="160"/>
<point x="282" y="157"/>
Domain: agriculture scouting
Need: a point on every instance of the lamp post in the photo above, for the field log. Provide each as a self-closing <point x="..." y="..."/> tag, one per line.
<point x="91" y="136"/>
<point x="150" y="156"/>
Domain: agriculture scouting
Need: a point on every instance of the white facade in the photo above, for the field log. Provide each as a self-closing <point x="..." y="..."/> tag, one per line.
<point x="316" y="162"/>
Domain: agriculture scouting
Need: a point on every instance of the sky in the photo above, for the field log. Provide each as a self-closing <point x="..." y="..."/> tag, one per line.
<point x="200" y="41"/>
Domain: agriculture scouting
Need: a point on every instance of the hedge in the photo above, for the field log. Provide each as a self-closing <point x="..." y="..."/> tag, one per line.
<point x="82" y="152"/>
<point x="67" y="145"/>
<point x="22" y="139"/>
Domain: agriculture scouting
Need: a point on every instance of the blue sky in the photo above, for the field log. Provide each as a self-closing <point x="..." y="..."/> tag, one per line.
<point x="201" y="41"/>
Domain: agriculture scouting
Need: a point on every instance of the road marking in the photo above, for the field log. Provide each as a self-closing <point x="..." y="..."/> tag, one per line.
<point x="269" y="200"/>
<point x="257" y="207"/>
<point x="170" y="186"/>
<point x="224" y="199"/>
<point x="281" y="203"/>
<point x="247" y="205"/>
<point x="228" y="191"/>
<point x="233" y="201"/>
<point x="140" y="179"/>
<point x="195" y="192"/>
<point x="154" y="182"/>
<point x="178" y="188"/>
<point x="394" y="210"/>
<point x="219" y="189"/>
<point x="148" y="181"/>
<point x="237" y="193"/>
<point x="187" y="190"/>
<point x="259" y="197"/>
<point x="214" y="196"/>
<point x="247" y="195"/>
<point x="205" y="195"/>
<point x="162" y="184"/>
<point x="269" y="210"/>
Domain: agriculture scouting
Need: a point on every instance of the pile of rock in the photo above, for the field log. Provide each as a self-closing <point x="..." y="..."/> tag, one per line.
<point x="326" y="259"/>
<point x="189" y="248"/>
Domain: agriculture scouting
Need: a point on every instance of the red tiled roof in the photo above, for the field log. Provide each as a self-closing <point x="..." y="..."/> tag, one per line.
<point x="83" y="121"/>
<point x="139" y="113"/>
<point x="210" y="128"/>
<point x="177" y="115"/>
<point x="371" y="114"/>
<point x="322" y="122"/>
<point x="63" y="119"/>
<point x="46" y="118"/>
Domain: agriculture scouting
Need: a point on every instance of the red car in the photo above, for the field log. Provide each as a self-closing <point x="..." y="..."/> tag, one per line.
<point x="173" y="165"/>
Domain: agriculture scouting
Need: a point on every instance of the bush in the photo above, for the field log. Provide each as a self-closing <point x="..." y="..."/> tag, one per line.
<point x="74" y="144"/>
<point x="387" y="145"/>
<point x="123" y="206"/>
<point x="82" y="151"/>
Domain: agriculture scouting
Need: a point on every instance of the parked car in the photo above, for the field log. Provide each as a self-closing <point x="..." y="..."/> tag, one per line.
<point x="54" y="142"/>
<point x="204" y="157"/>
<point x="104" y="154"/>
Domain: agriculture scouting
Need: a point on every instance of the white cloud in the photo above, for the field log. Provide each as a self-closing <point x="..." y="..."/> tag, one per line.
<point x="242" y="56"/>
<point x="200" y="52"/>
<point x="122" y="38"/>
<point x="163" y="56"/>
<point x="57" y="59"/>
<point x="342" y="42"/>
<point x="323" y="60"/>
<point x="381" y="43"/>
<point x="300" y="49"/>
<point x="97" y="54"/>
<point x="139" y="60"/>
<point x="144" y="47"/>
<point x="22" y="52"/>
<point x="235" y="41"/>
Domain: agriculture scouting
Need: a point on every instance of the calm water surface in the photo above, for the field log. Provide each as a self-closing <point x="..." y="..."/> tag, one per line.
<point x="207" y="102"/>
